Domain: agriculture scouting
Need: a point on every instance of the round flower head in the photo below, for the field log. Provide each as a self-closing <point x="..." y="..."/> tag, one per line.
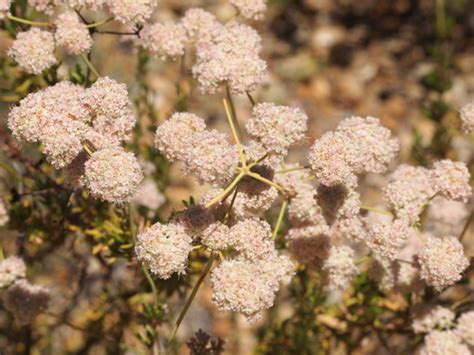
<point x="176" y="136"/>
<point x="46" y="6"/>
<point x="303" y="209"/>
<point x="442" y="262"/>
<point x="443" y="343"/>
<point x="465" y="327"/>
<point x="58" y="104"/>
<point x="4" y="218"/>
<point x="25" y="301"/>
<point x="72" y="34"/>
<point x="62" y="143"/>
<point x="408" y="191"/>
<point x="211" y="159"/>
<point x="451" y="179"/>
<point x="216" y="237"/>
<point x="340" y="267"/>
<point x="373" y="147"/>
<point x="384" y="273"/>
<point x="436" y="318"/>
<point x="277" y="267"/>
<point x="309" y="245"/>
<point x="230" y="56"/>
<point x="446" y="216"/>
<point x="242" y="286"/>
<point x="11" y="269"/>
<point x="148" y="195"/>
<point x="250" y="9"/>
<point x="33" y="50"/>
<point x="199" y="24"/>
<point x="328" y="160"/>
<point x="127" y="11"/>
<point x="277" y="127"/>
<point x="112" y="175"/>
<point x="164" y="249"/>
<point x="164" y="40"/>
<point x="467" y="117"/>
<point x="4" y="8"/>
<point x="293" y="181"/>
<point x="111" y="110"/>
<point x="351" y="229"/>
<point x="246" y="206"/>
<point x="386" y="240"/>
<point x="252" y="238"/>
<point x="256" y="152"/>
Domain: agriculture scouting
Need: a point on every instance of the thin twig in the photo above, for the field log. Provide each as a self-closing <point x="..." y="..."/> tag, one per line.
<point x="89" y="65"/>
<point x="280" y="219"/>
<point x="190" y="299"/>
<point x="28" y="22"/>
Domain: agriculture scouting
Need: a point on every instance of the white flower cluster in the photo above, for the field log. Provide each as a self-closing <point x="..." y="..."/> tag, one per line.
<point x="33" y="50"/>
<point x="18" y="296"/>
<point x="226" y="54"/>
<point x="358" y="145"/>
<point x="410" y="188"/>
<point x="72" y="34"/>
<point x="206" y="154"/>
<point x="442" y="261"/>
<point x="11" y="269"/>
<point x="445" y="336"/>
<point x="65" y="117"/>
<point x="277" y="127"/>
<point x="124" y="11"/>
<point x="164" y="249"/>
<point x="436" y="318"/>
<point x="250" y="9"/>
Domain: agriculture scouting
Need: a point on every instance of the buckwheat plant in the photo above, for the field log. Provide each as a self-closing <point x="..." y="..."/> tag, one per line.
<point x="265" y="231"/>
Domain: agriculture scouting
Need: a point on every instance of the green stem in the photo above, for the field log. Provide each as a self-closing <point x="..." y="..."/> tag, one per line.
<point x="283" y="171"/>
<point x="227" y="191"/>
<point x="89" y="65"/>
<point x="265" y="180"/>
<point x="191" y="297"/>
<point x="283" y="207"/>
<point x="100" y="23"/>
<point x="367" y="208"/>
<point x="28" y="22"/>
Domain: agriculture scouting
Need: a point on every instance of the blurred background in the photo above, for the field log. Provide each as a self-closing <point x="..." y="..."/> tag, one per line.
<point x="408" y="62"/>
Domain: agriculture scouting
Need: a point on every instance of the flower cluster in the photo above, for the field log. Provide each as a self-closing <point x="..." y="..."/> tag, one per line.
<point x="20" y="297"/>
<point x="358" y="145"/>
<point x="445" y="335"/>
<point x="33" y="50"/>
<point x="66" y="119"/>
<point x="250" y="9"/>
<point x="72" y="34"/>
